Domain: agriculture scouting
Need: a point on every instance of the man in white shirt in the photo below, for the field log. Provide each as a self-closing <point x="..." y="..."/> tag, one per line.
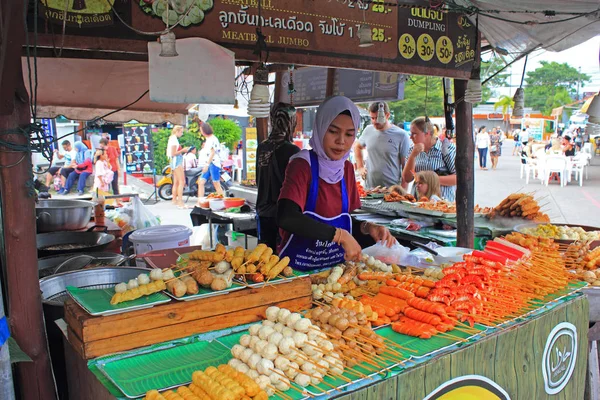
<point x="69" y="154"/>
<point x="212" y="169"/>
<point x="387" y="146"/>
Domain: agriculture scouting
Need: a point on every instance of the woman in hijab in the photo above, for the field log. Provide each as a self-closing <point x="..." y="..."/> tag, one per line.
<point x="83" y="169"/>
<point x="319" y="192"/>
<point x="272" y="158"/>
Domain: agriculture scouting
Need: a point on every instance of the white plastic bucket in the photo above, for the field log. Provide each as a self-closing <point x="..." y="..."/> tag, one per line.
<point x="158" y="238"/>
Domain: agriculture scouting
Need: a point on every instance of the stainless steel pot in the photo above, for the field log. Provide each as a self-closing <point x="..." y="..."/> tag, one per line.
<point x="75" y="261"/>
<point x="63" y="215"/>
<point x="54" y="288"/>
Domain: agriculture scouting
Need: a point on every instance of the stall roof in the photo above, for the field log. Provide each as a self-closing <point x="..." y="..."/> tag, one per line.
<point x="84" y="89"/>
<point x="519" y="32"/>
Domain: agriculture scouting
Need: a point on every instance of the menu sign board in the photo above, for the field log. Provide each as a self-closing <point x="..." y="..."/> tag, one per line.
<point x="251" y="147"/>
<point x="360" y="86"/>
<point x="406" y="39"/>
<point x="138" y="148"/>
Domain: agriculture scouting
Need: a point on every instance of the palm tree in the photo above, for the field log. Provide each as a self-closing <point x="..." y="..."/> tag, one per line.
<point x="506" y="102"/>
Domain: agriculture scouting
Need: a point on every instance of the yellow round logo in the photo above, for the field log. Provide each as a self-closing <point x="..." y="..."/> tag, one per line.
<point x="469" y="387"/>
<point x="425" y="47"/>
<point x="407" y="46"/>
<point x="444" y="49"/>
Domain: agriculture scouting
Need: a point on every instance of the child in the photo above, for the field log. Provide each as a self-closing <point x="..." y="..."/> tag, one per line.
<point x="103" y="172"/>
<point x="428" y="186"/>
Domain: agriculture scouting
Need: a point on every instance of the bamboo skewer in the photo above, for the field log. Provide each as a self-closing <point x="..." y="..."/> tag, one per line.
<point x="280" y="393"/>
<point x="313" y="376"/>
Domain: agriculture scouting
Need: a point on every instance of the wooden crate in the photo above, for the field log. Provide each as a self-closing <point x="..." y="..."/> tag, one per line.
<point x="96" y="336"/>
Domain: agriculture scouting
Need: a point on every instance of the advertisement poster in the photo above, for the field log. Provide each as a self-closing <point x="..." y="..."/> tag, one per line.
<point x="138" y="148"/>
<point x="251" y="146"/>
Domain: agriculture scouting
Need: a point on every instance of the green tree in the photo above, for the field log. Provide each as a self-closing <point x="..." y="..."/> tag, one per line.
<point x="489" y="68"/>
<point x="552" y="85"/>
<point x="505" y="103"/>
<point x="415" y="102"/>
<point x="159" y="142"/>
<point x="227" y="131"/>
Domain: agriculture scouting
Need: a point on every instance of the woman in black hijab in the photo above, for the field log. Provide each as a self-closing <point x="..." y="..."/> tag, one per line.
<point x="272" y="158"/>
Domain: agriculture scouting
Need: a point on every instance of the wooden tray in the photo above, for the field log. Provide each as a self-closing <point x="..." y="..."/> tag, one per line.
<point x="96" y="336"/>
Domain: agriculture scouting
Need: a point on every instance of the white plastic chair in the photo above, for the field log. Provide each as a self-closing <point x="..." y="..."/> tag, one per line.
<point x="587" y="149"/>
<point x="531" y="166"/>
<point x="524" y="165"/>
<point x="578" y="166"/>
<point x="556" y="165"/>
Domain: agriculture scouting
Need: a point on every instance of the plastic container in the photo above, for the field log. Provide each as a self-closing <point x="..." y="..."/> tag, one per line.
<point x="217" y="204"/>
<point x="159" y="238"/>
<point x="234" y="202"/>
<point x="204" y="202"/>
<point x="236" y="239"/>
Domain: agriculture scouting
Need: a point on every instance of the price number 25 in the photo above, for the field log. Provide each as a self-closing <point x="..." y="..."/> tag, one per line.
<point x="378" y="35"/>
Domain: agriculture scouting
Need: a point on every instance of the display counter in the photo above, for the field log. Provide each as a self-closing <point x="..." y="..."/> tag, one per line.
<point x="540" y="356"/>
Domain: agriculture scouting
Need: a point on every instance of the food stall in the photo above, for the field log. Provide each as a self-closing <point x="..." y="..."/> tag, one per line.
<point x="291" y="40"/>
<point x="356" y="328"/>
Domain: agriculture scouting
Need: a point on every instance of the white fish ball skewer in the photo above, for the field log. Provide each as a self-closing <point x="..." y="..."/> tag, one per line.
<point x="245" y="340"/>
<point x="272" y="313"/>
<point x="253" y="330"/>
<point x="283" y="315"/>
<point x="292" y="319"/>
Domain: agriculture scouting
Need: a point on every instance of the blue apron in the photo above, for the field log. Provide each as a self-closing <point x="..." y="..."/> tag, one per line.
<point x="309" y="254"/>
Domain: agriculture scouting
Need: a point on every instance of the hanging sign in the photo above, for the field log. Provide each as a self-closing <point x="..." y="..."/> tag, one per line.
<point x="139" y="153"/>
<point x="79" y="13"/>
<point x="310" y="86"/>
<point x="469" y="387"/>
<point x="324" y="32"/>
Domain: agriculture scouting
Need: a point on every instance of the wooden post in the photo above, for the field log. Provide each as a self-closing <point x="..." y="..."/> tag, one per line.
<point x="34" y="379"/>
<point x="262" y="129"/>
<point x="330" y="81"/>
<point x="465" y="177"/>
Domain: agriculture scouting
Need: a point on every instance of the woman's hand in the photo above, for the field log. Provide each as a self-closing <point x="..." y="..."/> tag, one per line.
<point x="205" y="169"/>
<point x="381" y="234"/>
<point x="350" y="246"/>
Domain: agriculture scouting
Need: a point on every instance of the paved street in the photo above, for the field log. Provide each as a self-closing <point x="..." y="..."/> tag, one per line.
<point x="570" y="204"/>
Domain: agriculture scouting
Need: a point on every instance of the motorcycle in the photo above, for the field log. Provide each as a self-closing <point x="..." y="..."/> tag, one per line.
<point x="165" y="184"/>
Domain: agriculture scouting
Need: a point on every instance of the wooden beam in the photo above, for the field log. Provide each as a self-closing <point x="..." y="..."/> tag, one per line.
<point x="465" y="177"/>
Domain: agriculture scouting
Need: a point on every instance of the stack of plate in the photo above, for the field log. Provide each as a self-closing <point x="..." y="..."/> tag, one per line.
<point x="258" y="109"/>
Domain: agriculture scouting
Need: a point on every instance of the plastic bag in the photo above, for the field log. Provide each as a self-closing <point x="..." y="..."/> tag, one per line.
<point x="142" y="216"/>
<point x="397" y="254"/>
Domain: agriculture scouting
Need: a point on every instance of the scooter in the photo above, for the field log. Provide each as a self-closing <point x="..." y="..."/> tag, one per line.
<point x="165" y="184"/>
